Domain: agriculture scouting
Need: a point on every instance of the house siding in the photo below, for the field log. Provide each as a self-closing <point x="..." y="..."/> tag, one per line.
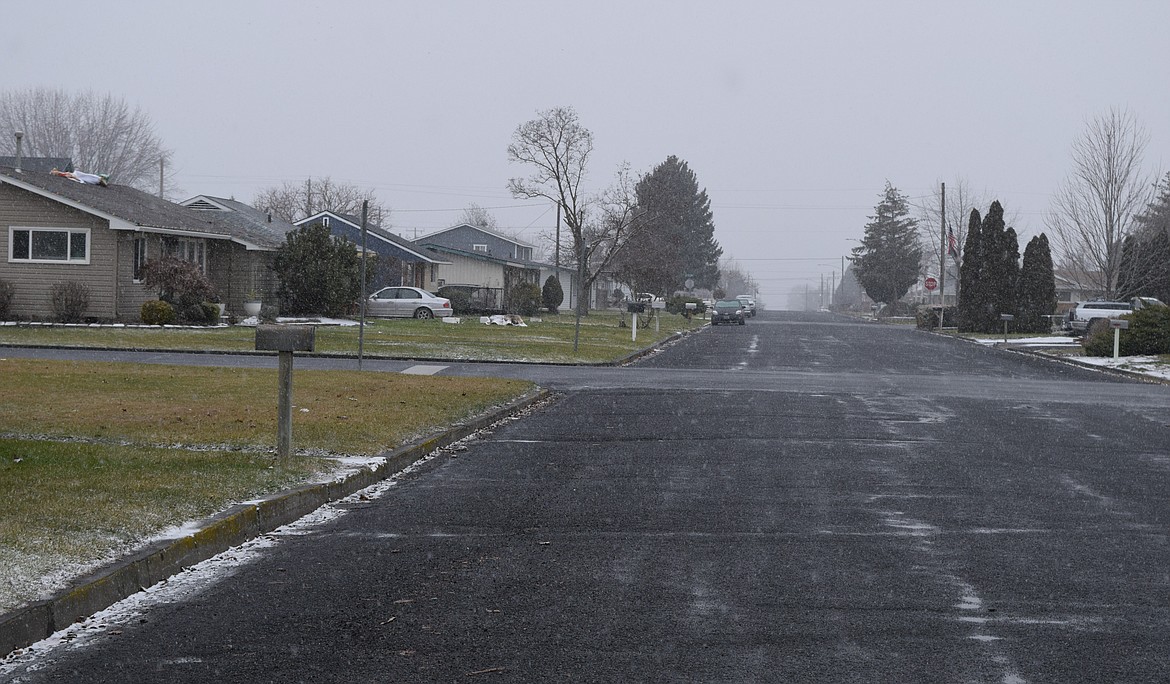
<point x="131" y="295"/>
<point x="465" y="237"/>
<point x="33" y="282"/>
<point x="466" y="271"/>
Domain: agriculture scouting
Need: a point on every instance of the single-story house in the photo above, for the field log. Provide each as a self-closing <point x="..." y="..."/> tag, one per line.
<point x="482" y="258"/>
<point x="399" y="261"/>
<point x="54" y="229"/>
<point x="1070" y="290"/>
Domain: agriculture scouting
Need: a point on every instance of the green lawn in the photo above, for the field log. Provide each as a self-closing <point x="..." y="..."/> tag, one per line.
<point x="549" y="340"/>
<point x="96" y="457"/>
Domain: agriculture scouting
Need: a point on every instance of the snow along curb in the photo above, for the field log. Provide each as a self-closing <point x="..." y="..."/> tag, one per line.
<point x="162" y="559"/>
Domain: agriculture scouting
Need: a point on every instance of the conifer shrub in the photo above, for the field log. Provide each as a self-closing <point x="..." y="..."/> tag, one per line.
<point x="551" y="295"/>
<point x="525" y="299"/>
<point x="1148" y="334"/>
<point x="678" y="304"/>
<point x="157" y="312"/>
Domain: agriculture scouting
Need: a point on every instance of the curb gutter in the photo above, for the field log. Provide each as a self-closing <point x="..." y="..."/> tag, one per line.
<point x="160" y="560"/>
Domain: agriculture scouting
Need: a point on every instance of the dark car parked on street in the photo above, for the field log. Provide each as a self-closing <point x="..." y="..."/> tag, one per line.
<point x="727" y="311"/>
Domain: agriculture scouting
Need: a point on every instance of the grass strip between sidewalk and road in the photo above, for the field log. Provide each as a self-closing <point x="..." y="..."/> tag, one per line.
<point x="95" y="458"/>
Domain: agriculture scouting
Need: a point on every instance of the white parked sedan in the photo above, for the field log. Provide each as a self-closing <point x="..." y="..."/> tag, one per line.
<point x="407" y="302"/>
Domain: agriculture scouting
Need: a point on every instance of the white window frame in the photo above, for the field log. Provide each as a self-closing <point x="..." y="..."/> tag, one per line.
<point x="12" y="258"/>
<point x="479" y="248"/>
<point x="137" y="266"/>
<point x="189" y="247"/>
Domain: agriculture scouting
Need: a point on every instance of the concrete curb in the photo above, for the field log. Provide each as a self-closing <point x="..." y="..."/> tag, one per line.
<point x="160" y="560"/>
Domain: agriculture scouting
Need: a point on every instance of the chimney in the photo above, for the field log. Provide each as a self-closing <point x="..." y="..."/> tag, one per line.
<point x="19" y="138"/>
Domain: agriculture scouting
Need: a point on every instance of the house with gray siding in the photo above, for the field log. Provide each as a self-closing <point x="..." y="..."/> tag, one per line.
<point x="55" y="230"/>
<point x="485" y="259"/>
<point x="398" y="260"/>
<point x="469" y="238"/>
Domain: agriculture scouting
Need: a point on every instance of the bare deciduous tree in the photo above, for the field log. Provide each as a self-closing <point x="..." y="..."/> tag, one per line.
<point x="1093" y="212"/>
<point x="100" y="133"/>
<point x="295" y="201"/>
<point x="736" y="281"/>
<point x="960" y="200"/>
<point x="557" y="147"/>
<point x="475" y="215"/>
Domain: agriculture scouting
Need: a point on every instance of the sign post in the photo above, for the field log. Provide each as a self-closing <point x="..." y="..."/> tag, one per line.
<point x="1006" y="318"/>
<point x="285" y="339"/>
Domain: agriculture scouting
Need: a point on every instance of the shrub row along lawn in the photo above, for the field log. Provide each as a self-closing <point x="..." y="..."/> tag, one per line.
<point x="97" y="457"/>
<point x="549" y="340"/>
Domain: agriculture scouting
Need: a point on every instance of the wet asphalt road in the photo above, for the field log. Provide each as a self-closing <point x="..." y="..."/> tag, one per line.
<point x="799" y="499"/>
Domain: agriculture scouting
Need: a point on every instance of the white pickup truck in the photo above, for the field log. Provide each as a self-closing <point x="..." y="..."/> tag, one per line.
<point x="1081" y="317"/>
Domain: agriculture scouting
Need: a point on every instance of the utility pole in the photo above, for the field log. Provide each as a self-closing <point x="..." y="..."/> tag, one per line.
<point x="557" y="244"/>
<point x="162" y="163"/>
<point x="309" y="196"/>
<point x="362" y="319"/>
<point x="942" y="255"/>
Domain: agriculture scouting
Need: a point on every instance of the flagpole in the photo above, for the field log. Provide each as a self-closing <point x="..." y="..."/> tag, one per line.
<point x="942" y="256"/>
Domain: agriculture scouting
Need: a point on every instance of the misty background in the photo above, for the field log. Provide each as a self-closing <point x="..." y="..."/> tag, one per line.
<point x="792" y="115"/>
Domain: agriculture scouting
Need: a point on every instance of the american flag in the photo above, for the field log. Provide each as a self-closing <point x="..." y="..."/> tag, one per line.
<point x="952" y="244"/>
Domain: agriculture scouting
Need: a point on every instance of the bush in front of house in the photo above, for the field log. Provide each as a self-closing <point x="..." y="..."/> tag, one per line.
<point x="460" y="300"/>
<point x="926" y="317"/>
<point x="1148" y="333"/>
<point x="69" y="301"/>
<point x="525" y="299"/>
<point x="181" y="284"/>
<point x="157" y="312"/>
<point x="6" y="293"/>
<point x="551" y="295"/>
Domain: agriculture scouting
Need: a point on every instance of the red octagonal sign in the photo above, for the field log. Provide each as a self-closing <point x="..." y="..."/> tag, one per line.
<point x="930" y="284"/>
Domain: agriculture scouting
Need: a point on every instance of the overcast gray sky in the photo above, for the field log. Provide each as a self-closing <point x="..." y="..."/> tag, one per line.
<point x="792" y="114"/>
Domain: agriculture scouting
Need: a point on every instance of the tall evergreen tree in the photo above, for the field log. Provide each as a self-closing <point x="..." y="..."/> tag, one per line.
<point x="887" y="261"/>
<point x="1036" y="297"/>
<point x="1145" y="265"/>
<point x="677" y="237"/>
<point x="1145" y="254"/>
<point x="972" y="294"/>
<point x="319" y="273"/>
<point x="990" y="272"/>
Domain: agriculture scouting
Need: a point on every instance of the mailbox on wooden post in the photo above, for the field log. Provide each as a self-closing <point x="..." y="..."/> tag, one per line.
<point x="1118" y="324"/>
<point x="285" y="339"/>
<point x="1006" y="318"/>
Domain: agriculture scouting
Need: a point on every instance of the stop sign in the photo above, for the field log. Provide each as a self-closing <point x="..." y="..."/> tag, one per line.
<point x="930" y="284"/>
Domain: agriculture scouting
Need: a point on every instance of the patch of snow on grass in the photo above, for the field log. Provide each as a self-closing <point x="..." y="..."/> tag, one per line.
<point x="1147" y="365"/>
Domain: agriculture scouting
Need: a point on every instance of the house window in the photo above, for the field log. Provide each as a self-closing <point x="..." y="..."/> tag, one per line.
<point x="49" y="245"/>
<point x="187" y="249"/>
<point x="325" y="221"/>
<point x="479" y="248"/>
<point x="139" y="257"/>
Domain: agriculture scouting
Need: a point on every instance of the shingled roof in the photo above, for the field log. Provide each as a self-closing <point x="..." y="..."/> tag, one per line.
<point x="129" y="209"/>
<point x="244" y="219"/>
<point x="39" y="164"/>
